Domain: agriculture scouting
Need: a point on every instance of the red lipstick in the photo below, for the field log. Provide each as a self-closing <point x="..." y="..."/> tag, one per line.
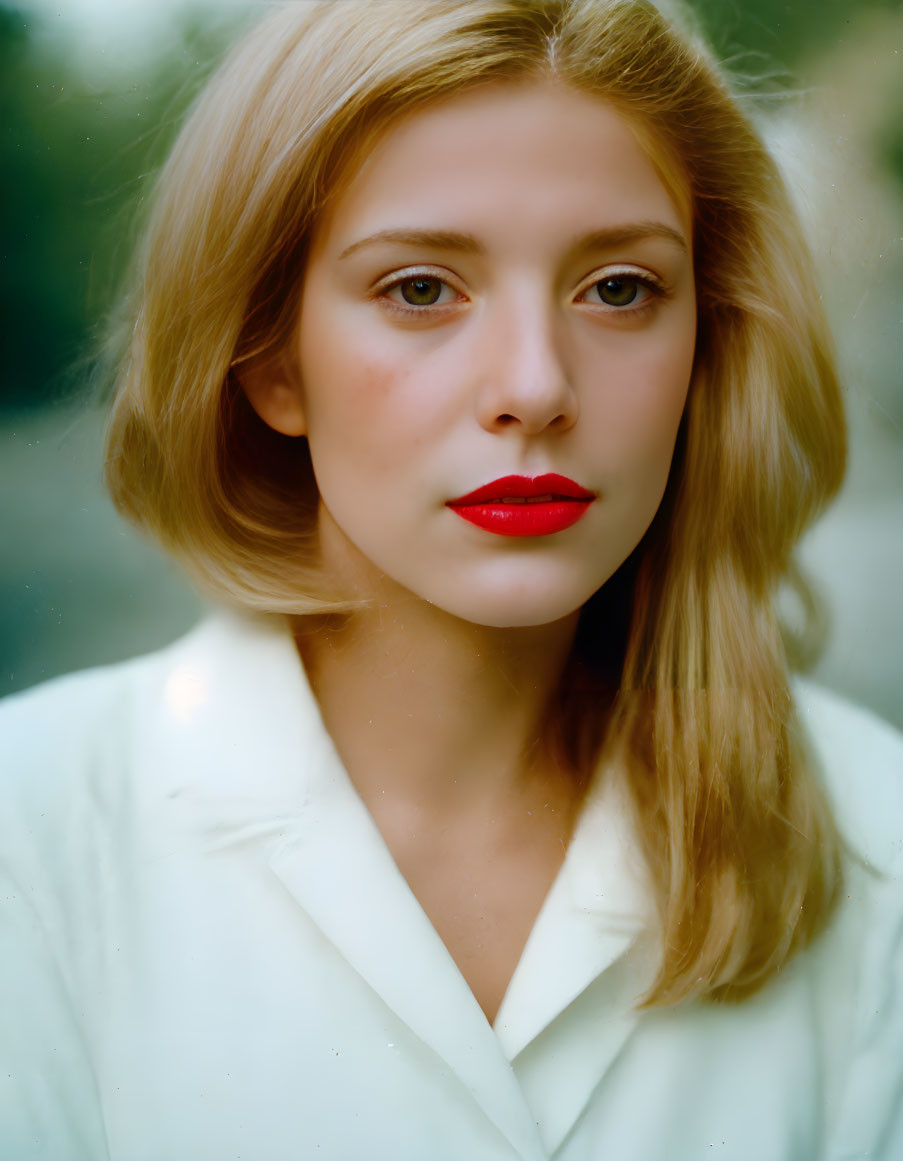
<point x="520" y="506"/>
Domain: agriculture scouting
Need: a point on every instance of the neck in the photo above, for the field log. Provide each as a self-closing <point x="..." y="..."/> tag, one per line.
<point x="432" y="710"/>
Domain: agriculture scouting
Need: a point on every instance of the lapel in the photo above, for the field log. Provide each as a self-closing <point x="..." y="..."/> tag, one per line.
<point x="569" y="1008"/>
<point x="249" y="757"/>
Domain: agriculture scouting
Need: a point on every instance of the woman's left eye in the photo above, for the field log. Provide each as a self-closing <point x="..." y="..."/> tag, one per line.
<point x="621" y="291"/>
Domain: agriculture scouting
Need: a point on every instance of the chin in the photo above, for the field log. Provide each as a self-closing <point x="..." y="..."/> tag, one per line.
<point x="507" y="610"/>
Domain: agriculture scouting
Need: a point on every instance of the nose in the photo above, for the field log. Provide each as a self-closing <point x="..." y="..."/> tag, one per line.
<point x="524" y="382"/>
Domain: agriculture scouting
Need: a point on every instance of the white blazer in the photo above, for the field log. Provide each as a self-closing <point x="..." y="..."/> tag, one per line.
<point x="207" y="953"/>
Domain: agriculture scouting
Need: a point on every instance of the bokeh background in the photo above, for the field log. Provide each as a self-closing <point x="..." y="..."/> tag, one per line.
<point x="92" y="94"/>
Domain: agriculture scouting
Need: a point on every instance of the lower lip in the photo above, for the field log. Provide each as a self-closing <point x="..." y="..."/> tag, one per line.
<point x="541" y="519"/>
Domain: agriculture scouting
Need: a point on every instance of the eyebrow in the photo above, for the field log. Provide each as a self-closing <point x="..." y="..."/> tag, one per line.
<point x="468" y="244"/>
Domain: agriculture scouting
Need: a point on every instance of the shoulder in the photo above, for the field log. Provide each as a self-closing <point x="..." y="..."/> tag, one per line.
<point x="51" y="716"/>
<point x="78" y="740"/>
<point x="64" y="748"/>
<point x="860" y="759"/>
<point x="79" y="713"/>
<point x="61" y="738"/>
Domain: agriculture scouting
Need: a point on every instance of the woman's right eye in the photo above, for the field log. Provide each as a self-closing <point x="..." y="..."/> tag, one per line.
<point x="420" y="291"/>
<point x="416" y="293"/>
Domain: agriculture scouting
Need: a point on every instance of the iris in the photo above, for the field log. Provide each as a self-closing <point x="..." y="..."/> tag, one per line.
<point x="618" y="291"/>
<point x="426" y="291"/>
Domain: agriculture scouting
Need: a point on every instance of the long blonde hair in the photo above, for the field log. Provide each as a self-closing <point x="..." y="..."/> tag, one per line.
<point x="736" y="830"/>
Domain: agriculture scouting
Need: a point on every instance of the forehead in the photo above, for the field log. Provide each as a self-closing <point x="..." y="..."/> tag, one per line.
<point x="507" y="157"/>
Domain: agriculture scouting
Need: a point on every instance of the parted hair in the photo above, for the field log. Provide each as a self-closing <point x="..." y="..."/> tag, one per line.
<point x="694" y="680"/>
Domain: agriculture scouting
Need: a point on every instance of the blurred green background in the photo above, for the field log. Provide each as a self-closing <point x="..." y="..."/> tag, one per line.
<point x="92" y="94"/>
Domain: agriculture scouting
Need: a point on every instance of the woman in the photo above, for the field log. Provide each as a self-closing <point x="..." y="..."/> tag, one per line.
<point x="476" y="364"/>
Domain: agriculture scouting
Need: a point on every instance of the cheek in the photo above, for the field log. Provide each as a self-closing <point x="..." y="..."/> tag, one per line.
<point x="366" y="418"/>
<point x="369" y="397"/>
<point x="639" y="407"/>
<point x="347" y="388"/>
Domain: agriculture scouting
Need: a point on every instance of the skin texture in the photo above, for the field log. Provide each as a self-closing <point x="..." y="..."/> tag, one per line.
<point x="507" y="358"/>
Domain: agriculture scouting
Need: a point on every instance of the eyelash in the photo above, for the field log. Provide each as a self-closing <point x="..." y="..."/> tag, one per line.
<point x="655" y="288"/>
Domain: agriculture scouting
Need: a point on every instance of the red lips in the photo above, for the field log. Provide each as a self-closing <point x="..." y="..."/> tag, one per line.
<point x="521" y="506"/>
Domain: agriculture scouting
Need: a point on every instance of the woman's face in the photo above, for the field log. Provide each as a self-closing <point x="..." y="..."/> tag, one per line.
<point x="504" y="289"/>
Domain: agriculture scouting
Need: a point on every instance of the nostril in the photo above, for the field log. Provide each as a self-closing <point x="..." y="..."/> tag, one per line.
<point x="506" y="419"/>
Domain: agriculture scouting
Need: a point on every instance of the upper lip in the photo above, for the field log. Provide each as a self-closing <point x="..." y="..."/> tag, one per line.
<point x="550" y="484"/>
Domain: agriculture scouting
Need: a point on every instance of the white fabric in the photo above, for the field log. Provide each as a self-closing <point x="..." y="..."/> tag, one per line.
<point x="207" y="952"/>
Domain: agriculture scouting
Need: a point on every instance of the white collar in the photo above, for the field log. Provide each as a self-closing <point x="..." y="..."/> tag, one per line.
<point x="239" y="738"/>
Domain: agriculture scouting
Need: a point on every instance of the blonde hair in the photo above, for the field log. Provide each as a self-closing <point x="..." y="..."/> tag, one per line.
<point x="742" y="847"/>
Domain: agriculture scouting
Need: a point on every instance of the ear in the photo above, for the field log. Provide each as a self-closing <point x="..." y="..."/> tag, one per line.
<point x="273" y="389"/>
